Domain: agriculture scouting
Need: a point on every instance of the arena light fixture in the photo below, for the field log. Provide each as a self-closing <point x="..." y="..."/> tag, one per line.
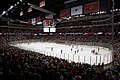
<point x="18" y="2"/>
<point x="3" y="12"/>
<point x="39" y="23"/>
<point x="35" y="34"/>
<point x="15" y="4"/>
<point x="116" y="9"/>
<point x="70" y="17"/>
<point x="11" y="7"/>
<point x="21" y="0"/>
<point x="0" y="33"/>
<point x="118" y="32"/>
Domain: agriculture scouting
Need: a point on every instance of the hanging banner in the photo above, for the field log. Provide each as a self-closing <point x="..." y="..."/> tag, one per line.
<point x="29" y="9"/>
<point x="65" y="13"/>
<point x="42" y="3"/>
<point x="76" y="10"/>
<point x="91" y="7"/>
<point x="21" y="13"/>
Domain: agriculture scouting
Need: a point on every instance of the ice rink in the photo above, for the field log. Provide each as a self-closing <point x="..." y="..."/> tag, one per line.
<point x="77" y="53"/>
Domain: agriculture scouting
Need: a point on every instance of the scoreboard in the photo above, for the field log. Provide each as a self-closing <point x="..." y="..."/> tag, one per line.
<point x="49" y="25"/>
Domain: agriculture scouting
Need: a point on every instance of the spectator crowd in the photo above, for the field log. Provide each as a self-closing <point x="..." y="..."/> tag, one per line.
<point x="18" y="64"/>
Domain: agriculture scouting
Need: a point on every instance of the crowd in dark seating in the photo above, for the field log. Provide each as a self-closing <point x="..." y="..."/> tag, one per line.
<point x="89" y="20"/>
<point x="18" y="64"/>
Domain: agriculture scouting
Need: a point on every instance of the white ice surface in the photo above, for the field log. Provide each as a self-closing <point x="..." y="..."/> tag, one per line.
<point x="83" y="56"/>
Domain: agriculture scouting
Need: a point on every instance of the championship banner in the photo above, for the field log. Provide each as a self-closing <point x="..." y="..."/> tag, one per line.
<point x="29" y="9"/>
<point x="76" y="10"/>
<point x="42" y="3"/>
<point x="65" y="13"/>
<point x="91" y="7"/>
<point x="21" y="13"/>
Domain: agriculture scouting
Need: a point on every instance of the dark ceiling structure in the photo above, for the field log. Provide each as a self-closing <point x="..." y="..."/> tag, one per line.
<point x="51" y="5"/>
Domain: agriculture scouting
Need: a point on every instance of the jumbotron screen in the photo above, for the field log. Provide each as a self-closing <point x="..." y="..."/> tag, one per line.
<point x="49" y="26"/>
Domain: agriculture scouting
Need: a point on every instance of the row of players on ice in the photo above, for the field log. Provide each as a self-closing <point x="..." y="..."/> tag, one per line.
<point x="76" y="50"/>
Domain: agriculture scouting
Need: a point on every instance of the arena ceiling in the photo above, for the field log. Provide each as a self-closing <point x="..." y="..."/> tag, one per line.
<point x="52" y="5"/>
